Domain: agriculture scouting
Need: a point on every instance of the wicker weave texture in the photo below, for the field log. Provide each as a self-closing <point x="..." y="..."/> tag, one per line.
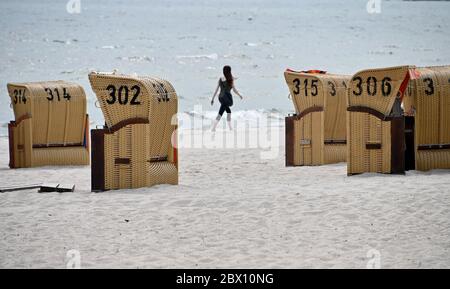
<point x="58" y="110"/>
<point x="138" y="154"/>
<point x="370" y="137"/>
<point x="306" y="90"/>
<point x="431" y="104"/>
<point x="131" y="143"/>
<point x="115" y="95"/>
<point x="336" y="153"/>
<point x="367" y="130"/>
<point x="23" y="144"/>
<point x="328" y="92"/>
<point x="335" y="87"/>
<point x="60" y="156"/>
<point x="299" y="134"/>
<point x="308" y="140"/>
<point x="377" y="88"/>
<point x="432" y="159"/>
<point x="55" y="117"/>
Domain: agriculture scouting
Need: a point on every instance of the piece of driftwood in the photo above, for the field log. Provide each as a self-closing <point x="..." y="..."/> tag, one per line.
<point x="43" y="188"/>
<point x="60" y="188"/>
<point x="13" y="189"/>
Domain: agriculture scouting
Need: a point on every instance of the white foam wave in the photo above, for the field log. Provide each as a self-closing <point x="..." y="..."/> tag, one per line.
<point x="252" y="118"/>
<point x="213" y="56"/>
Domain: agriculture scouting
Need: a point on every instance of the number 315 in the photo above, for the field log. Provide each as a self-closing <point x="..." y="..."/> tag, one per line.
<point x="297" y="83"/>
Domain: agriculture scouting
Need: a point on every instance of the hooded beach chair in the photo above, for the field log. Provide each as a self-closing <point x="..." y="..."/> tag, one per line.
<point x="316" y="133"/>
<point x="51" y="124"/>
<point x="427" y="108"/>
<point x="136" y="146"/>
<point x="376" y="124"/>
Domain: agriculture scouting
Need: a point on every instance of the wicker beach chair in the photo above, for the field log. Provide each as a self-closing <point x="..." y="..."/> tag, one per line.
<point x="135" y="147"/>
<point x="316" y="133"/>
<point x="375" y="120"/>
<point x="427" y="106"/>
<point x="51" y="124"/>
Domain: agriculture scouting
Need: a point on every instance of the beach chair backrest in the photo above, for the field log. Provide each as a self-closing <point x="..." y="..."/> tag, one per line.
<point x="432" y="105"/>
<point x="306" y="90"/>
<point x="320" y="122"/>
<point x="335" y="88"/>
<point x="375" y="123"/>
<point x="135" y="149"/>
<point x="122" y="98"/>
<point x="428" y="101"/>
<point x="377" y="89"/>
<point x="57" y="110"/>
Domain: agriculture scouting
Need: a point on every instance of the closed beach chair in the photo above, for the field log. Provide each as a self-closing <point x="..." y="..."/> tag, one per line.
<point x="375" y="123"/>
<point x="136" y="148"/>
<point x="51" y="124"/>
<point x="316" y="133"/>
<point x="427" y="107"/>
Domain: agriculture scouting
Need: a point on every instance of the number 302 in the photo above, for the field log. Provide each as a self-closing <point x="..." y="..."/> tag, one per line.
<point x="121" y="94"/>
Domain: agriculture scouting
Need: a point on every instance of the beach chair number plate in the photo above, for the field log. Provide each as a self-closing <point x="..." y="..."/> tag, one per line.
<point x="122" y="95"/>
<point x="313" y="88"/>
<point x="55" y="94"/>
<point x="430" y="86"/>
<point x="125" y="95"/>
<point x="19" y="96"/>
<point x="163" y="95"/>
<point x="372" y="86"/>
<point x="332" y="88"/>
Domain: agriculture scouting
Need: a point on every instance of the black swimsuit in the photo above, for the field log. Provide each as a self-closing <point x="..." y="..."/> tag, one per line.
<point x="225" y="97"/>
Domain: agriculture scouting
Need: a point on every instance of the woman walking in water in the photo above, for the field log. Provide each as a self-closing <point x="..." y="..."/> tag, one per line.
<point x="226" y="84"/>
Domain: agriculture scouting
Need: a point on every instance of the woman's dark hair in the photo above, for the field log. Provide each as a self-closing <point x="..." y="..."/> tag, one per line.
<point x="228" y="75"/>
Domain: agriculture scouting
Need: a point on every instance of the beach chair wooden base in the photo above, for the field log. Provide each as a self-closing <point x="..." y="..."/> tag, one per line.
<point x="136" y="148"/>
<point x="51" y="125"/>
<point x="375" y="145"/>
<point x="316" y="134"/>
<point x="24" y="154"/>
<point x="114" y="167"/>
<point x="305" y="144"/>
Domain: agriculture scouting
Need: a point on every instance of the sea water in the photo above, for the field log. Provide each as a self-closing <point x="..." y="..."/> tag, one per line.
<point x="189" y="41"/>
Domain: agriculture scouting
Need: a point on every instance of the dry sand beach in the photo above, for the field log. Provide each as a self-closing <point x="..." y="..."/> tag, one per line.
<point x="231" y="209"/>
